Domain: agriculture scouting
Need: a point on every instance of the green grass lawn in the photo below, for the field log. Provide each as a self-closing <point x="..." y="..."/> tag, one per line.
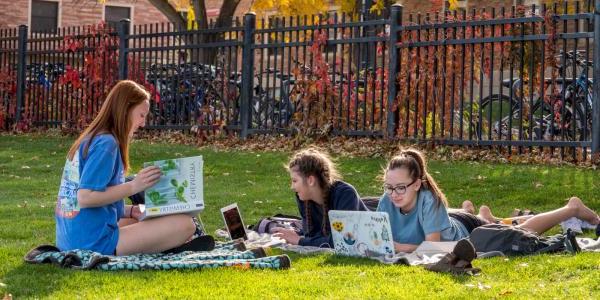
<point x="31" y="165"/>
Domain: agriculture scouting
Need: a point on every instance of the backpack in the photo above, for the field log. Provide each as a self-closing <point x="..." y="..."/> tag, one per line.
<point x="266" y="225"/>
<point x="513" y="240"/>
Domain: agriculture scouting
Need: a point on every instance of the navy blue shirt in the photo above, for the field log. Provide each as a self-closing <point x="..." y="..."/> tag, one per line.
<point x="342" y="196"/>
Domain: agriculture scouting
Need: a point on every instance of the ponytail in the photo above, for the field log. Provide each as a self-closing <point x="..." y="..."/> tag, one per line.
<point x="414" y="161"/>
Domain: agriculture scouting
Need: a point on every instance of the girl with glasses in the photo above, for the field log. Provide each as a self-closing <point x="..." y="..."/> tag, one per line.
<point x="319" y="189"/>
<point x="418" y="211"/>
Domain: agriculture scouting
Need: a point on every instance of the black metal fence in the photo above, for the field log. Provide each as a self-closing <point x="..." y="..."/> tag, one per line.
<point x="518" y="77"/>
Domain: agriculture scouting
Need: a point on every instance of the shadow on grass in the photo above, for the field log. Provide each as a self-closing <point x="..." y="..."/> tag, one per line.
<point x="340" y="260"/>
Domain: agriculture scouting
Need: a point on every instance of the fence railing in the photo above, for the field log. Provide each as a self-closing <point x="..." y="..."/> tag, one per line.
<point x="518" y="77"/>
<point x="515" y="78"/>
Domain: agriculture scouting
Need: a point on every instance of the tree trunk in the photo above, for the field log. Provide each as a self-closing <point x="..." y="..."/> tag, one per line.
<point x="200" y="13"/>
<point x="226" y="14"/>
<point x="224" y="20"/>
<point x="169" y="11"/>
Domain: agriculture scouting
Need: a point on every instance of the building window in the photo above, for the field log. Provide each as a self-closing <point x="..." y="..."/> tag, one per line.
<point x="44" y="16"/>
<point x="114" y="14"/>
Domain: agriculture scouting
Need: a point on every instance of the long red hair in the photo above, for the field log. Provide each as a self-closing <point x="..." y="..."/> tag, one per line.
<point x="113" y="118"/>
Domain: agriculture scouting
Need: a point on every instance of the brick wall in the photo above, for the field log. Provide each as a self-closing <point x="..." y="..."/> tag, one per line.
<point x="429" y="6"/>
<point x="79" y="12"/>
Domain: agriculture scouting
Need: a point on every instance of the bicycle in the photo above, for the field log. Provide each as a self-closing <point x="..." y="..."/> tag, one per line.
<point x="270" y="108"/>
<point x="508" y="116"/>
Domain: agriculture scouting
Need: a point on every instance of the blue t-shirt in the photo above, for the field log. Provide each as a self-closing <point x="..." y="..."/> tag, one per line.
<point x="342" y="196"/>
<point x="94" y="228"/>
<point x="425" y="218"/>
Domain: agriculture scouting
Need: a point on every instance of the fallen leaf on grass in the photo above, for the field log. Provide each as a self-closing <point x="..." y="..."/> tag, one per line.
<point x="524" y="265"/>
<point x="483" y="286"/>
<point x="538" y="185"/>
<point x="505" y="293"/>
<point x="225" y="174"/>
<point x="25" y="167"/>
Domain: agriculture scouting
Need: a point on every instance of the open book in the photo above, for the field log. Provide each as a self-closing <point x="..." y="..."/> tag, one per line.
<point x="179" y="190"/>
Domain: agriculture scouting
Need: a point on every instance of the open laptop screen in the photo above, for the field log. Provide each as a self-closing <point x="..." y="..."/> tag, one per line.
<point x="233" y="221"/>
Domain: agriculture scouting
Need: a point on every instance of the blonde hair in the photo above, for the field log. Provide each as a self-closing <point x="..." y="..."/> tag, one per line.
<point x="113" y="118"/>
<point x="414" y="161"/>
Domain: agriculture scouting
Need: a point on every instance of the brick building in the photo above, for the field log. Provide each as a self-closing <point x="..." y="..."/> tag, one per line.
<point x="44" y="15"/>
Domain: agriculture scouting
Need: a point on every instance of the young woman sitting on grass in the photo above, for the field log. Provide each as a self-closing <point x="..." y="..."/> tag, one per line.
<point x="90" y="207"/>
<point x="418" y="212"/>
<point x="318" y="189"/>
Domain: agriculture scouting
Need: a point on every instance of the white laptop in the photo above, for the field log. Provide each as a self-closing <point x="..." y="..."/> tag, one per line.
<point x="361" y="233"/>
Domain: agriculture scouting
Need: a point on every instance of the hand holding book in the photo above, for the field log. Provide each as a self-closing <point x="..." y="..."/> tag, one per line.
<point x="146" y="178"/>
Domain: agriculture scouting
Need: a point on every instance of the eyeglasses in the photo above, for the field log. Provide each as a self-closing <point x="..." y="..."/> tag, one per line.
<point x="399" y="189"/>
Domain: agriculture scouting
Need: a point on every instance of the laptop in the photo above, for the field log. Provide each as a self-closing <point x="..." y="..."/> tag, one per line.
<point x="361" y="233"/>
<point x="233" y="222"/>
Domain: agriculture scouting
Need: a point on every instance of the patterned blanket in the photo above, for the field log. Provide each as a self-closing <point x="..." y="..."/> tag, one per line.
<point x="224" y="255"/>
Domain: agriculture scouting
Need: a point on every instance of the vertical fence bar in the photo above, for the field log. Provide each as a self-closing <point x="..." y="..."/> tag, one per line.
<point x="247" y="71"/>
<point x="596" y="92"/>
<point x="123" y="31"/>
<point x="21" y="61"/>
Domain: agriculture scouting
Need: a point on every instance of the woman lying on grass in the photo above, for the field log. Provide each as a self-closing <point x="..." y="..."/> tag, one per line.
<point x="418" y="209"/>
<point x="318" y="189"/>
<point x="90" y="207"/>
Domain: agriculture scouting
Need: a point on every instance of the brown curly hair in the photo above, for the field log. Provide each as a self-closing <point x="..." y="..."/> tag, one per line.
<point x="315" y="162"/>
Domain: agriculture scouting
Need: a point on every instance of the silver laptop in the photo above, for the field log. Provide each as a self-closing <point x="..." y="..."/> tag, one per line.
<point x="361" y="233"/>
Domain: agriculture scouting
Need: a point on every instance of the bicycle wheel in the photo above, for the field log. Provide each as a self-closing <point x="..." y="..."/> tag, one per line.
<point x="499" y="117"/>
<point x="578" y="119"/>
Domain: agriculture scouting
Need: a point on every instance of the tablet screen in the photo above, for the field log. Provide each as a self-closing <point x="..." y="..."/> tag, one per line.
<point x="234" y="223"/>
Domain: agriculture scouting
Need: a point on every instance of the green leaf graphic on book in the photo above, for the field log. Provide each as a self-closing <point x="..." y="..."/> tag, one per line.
<point x="180" y="189"/>
<point x="156" y="198"/>
<point x="168" y="165"/>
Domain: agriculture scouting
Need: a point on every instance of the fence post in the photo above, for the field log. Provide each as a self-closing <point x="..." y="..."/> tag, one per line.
<point x="395" y="22"/>
<point x="596" y="84"/>
<point x="123" y="31"/>
<point x="247" y="73"/>
<point x="21" y="65"/>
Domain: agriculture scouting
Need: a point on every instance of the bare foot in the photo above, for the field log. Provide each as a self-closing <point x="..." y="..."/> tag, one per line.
<point x="468" y="207"/>
<point x="583" y="212"/>
<point x="486" y="214"/>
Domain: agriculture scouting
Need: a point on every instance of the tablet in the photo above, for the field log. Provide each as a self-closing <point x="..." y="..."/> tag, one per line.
<point x="233" y="222"/>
